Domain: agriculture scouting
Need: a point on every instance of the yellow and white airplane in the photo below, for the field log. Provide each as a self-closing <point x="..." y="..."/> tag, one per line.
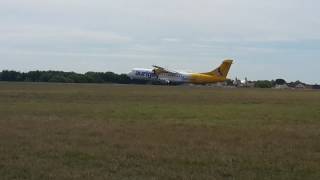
<point x="174" y="77"/>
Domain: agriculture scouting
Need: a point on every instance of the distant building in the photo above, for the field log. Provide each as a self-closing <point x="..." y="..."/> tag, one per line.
<point x="250" y="84"/>
<point x="300" y="86"/>
<point x="243" y="83"/>
<point x="281" y="86"/>
<point x="237" y="82"/>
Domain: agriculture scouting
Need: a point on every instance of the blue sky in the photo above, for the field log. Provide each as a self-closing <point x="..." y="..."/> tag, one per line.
<point x="267" y="39"/>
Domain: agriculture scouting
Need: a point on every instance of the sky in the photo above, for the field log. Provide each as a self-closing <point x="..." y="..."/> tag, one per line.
<point x="267" y="39"/>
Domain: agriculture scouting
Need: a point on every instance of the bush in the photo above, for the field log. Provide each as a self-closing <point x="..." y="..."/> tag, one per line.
<point x="263" y="84"/>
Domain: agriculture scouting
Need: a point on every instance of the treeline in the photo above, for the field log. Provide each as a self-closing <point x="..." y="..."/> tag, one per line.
<point x="273" y="83"/>
<point x="110" y="77"/>
<point x="278" y="83"/>
<point x="65" y="77"/>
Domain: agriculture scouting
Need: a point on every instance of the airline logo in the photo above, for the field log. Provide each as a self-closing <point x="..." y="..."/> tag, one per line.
<point x="145" y="74"/>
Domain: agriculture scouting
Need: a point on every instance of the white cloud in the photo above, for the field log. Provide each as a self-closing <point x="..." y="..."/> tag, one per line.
<point x="271" y="20"/>
<point x="171" y="40"/>
<point x="62" y="35"/>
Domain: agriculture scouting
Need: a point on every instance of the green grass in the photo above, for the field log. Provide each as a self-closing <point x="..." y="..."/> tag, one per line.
<point x="80" y="131"/>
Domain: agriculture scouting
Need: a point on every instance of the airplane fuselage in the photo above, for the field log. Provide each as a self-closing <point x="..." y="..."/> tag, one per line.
<point x="179" y="77"/>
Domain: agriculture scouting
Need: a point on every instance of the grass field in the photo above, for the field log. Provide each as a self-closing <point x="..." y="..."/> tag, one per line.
<point x="66" y="131"/>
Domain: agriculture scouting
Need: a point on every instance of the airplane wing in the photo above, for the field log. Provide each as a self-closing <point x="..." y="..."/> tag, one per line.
<point x="159" y="70"/>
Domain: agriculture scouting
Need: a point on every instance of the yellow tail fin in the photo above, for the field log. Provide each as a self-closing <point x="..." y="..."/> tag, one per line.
<point x="223" y="69"/>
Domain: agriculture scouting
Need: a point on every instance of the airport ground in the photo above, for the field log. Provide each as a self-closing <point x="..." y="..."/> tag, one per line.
<point x="90" y="131"/>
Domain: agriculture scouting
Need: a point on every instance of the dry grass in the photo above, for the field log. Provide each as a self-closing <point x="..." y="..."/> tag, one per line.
<point x="64" y="131"/>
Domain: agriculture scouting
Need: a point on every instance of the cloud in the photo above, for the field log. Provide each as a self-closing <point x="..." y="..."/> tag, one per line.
<point x="171" y="40"/>
<point x="62" y="35"/>
<point x="225" y="20"/>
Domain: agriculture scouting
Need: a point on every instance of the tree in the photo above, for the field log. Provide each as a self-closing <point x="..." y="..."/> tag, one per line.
<point x="77" y="78"/>
<point x="110" y="77"/>
<point x="45" y="76"/>
<point x="10" y="76"/>
<point x="263" y="84"/>
<point x="95" y="77"/>
<point x="34" y="76"/>
<point x="123" y="79"/>
<point x="60" y="78"/>
<point x="280" y="81"/>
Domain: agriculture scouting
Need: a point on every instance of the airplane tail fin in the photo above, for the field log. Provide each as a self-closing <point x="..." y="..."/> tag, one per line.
<point x="223" y="69"/>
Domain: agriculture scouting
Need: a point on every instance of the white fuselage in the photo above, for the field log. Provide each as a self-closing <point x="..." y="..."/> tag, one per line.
<point x="148" y="74"/>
